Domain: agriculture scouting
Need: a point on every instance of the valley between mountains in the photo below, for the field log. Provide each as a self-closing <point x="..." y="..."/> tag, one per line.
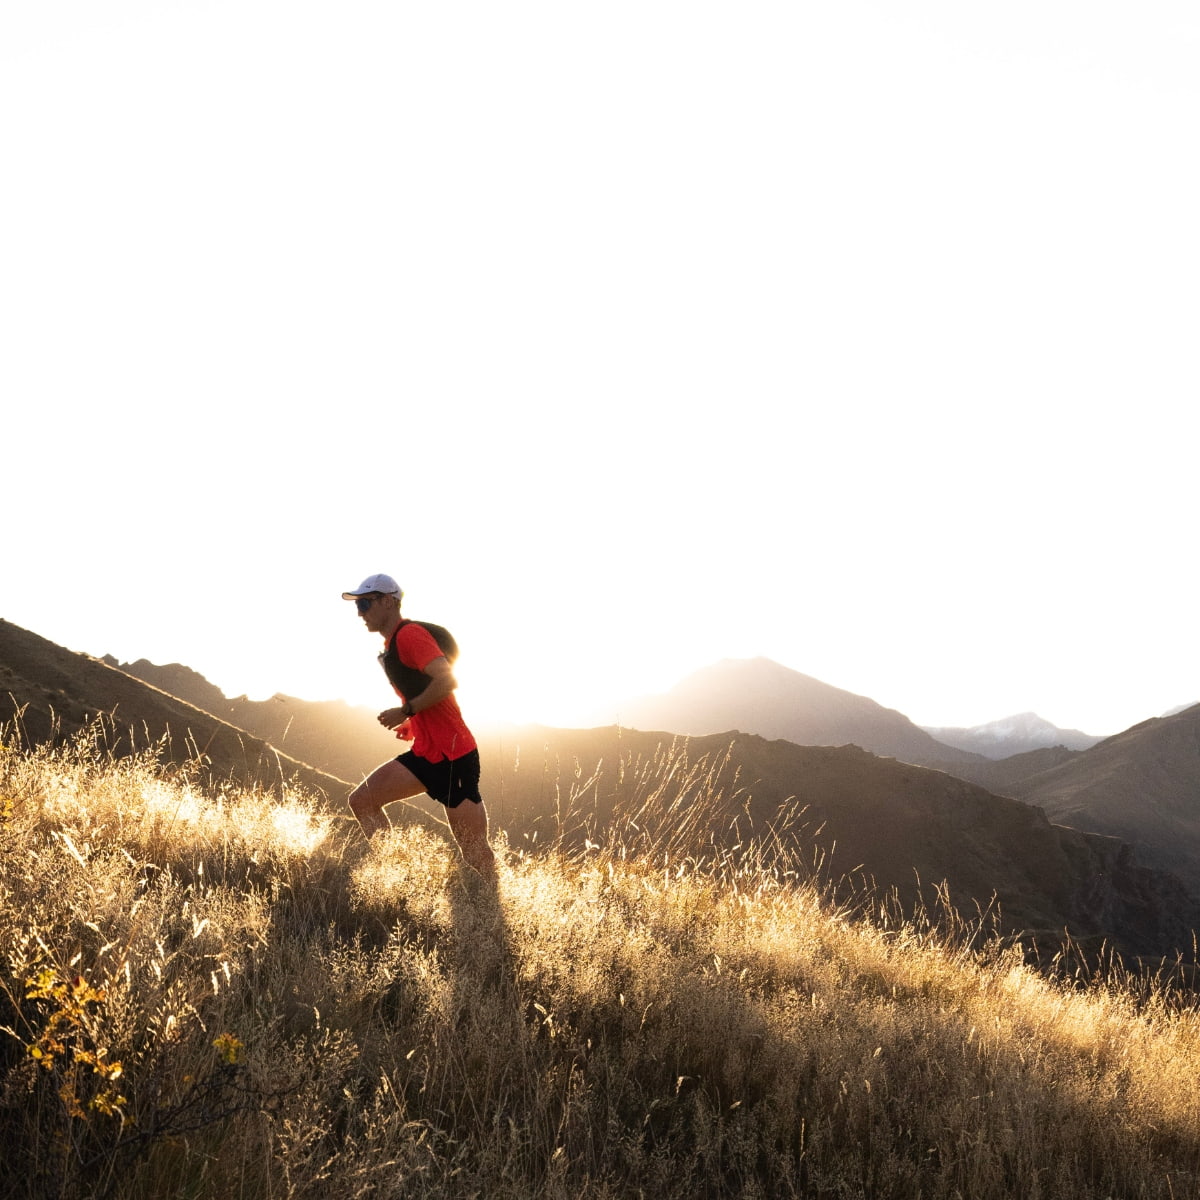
<point x="1098" y="839"/>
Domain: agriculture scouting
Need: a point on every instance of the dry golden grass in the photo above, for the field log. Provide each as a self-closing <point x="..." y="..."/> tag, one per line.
<point x="209" y="994"/>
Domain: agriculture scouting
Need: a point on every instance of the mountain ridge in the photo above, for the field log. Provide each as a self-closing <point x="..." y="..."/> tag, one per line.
<point x="759" y="695"/>
<point x="345" y="739"/>
<point x="1141" y="785"/>
<point x="50" y="693"/>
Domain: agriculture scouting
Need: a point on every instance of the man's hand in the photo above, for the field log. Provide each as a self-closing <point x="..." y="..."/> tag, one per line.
<point x="393" y="718"/>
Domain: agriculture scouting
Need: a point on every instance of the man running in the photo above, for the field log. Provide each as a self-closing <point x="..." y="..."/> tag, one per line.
<point x="444" y="759"/>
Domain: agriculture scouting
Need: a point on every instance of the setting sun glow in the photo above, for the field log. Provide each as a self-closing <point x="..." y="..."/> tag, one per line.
<point x="856" y="336"/>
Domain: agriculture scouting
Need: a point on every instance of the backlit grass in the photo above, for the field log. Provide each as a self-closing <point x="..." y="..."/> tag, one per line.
<point x="215" y="993"/>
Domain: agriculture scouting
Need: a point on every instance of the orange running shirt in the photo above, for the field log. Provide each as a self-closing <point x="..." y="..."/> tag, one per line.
<point x="437" y="732"/>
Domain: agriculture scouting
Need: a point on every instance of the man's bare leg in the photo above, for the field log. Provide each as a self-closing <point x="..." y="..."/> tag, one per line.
<point x="391" y="781"/>
<point x="469" y="824"/>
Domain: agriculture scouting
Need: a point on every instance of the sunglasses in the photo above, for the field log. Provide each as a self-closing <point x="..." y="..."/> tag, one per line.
<point x="363" y="603"/>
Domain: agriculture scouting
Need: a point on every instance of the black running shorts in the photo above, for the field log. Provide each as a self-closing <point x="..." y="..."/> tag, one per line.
<point x="450" y="781"/>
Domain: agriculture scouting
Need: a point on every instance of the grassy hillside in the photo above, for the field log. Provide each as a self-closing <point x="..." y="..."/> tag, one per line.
<point x="221" y="993"/>
<point x="872" y="822"/>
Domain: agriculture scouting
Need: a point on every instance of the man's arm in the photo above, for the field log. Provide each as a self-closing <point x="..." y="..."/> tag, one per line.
<point x="441" y="684"/>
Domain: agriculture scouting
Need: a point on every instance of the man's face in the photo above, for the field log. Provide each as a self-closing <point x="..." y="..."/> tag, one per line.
<point x="374" y="610"/>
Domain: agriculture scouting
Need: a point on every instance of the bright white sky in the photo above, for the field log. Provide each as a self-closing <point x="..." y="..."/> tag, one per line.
<point x="628" y="336"/>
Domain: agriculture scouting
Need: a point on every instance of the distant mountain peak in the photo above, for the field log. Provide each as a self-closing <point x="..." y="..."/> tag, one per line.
<point x="1020" y="733"/>
<point x="761" y="696"/>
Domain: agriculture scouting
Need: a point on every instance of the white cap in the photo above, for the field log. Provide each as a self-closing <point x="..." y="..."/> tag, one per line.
<point x="375" y="583"/>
